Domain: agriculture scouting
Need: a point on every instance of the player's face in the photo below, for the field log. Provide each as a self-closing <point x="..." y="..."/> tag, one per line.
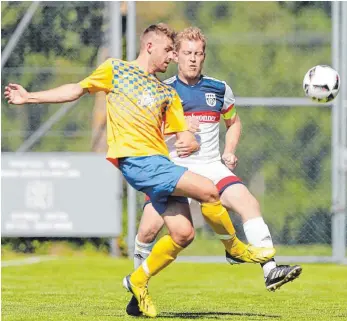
<point x="162" y="53"/>
<point x="190" y="58"/>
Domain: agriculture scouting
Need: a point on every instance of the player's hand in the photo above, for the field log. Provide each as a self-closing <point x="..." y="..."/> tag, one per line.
<point x="185" y="149"/>
<point x="230" y="160"/>
<point x="193" y="124"/>
<point x="16" y="94"/>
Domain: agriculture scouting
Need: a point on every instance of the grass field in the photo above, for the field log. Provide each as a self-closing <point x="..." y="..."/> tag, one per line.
<point x="89" y="288"/>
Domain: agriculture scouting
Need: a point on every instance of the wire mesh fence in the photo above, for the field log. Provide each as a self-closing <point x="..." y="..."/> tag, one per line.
<point x="260" y="49"/>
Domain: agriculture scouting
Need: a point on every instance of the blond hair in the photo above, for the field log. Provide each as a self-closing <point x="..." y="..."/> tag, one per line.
<point x="159" y="28"/>
<point x="190" y="33"/>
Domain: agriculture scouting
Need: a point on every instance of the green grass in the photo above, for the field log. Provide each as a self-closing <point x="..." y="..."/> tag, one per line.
<point x="89" y="288"/>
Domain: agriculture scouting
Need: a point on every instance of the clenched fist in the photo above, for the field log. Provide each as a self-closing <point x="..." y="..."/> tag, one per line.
<point x="230" y="160"/>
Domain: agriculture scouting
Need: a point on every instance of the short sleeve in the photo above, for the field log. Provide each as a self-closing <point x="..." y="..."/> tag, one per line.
<point x="174" y="117"/>
<point x="100" y="79"/>
<point x="228" y="110"/>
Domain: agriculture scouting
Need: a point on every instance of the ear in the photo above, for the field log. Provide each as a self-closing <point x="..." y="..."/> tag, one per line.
<point x="149" y="47"/>
<point x="175" y="57"/>
<point x="204" y="57"/>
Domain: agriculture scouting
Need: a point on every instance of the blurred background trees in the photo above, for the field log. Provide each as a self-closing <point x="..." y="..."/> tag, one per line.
<point x="260" y="49"/>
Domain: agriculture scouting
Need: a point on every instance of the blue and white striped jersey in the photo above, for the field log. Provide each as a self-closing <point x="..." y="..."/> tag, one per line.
<point x="207" y="100"/>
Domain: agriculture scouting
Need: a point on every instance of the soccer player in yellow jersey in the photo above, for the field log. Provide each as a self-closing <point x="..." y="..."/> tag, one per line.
<point x="137" y="105"/>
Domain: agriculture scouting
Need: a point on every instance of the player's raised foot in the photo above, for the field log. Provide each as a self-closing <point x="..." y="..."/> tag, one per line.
<point x="242" y="253"/>
<point x="280" y="275"/>
<point x="142" y="296"/>
<point x="133" y="307"/>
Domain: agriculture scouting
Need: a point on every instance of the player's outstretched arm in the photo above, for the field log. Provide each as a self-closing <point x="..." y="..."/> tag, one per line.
<point x="17" y="95"/>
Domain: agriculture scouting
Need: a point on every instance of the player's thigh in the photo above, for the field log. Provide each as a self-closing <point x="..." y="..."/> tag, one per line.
<point x="221" y="175"/>
<point x="150" y="225"/>
<point x="239" y="199"/>
<point x="179" y="223"/>
<point x="197" y="187"/>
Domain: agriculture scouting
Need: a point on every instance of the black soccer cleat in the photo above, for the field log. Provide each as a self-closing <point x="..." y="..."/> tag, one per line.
<point x="280" y="275"/>
<point x="133" y="307"/>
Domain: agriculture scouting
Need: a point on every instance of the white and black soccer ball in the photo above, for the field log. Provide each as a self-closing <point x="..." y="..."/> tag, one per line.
<point x="321" y="83"/>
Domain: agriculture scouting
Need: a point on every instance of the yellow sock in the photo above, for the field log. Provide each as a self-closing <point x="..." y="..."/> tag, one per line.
<point x="163" y="253"/>
<point x="218" y="218"/>
<point x="139" y="277"/>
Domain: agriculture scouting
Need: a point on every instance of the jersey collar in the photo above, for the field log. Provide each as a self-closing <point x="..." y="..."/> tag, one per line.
<point x="190" y="86"/>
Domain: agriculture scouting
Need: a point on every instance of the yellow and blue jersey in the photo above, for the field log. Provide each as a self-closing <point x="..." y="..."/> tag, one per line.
<point x="137" y="104"/>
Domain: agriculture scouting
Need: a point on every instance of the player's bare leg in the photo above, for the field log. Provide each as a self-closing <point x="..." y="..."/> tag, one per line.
<point x="178" y="220"/>
<point x="150" y="225"/>
<point x="203" y="190"/>
<point x="238" y="198"/>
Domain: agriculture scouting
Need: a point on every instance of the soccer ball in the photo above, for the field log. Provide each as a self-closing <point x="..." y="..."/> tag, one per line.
<point x="321" y="83"/>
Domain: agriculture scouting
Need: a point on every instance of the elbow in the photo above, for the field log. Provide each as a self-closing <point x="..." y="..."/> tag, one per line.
<point x="79" y="91"/>
<point x="76" y="92"/>
<point x="238" y="121"/>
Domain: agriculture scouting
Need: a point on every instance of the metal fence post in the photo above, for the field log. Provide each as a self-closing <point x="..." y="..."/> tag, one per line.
<point x="18" y="32"/>
<point x="131" y="55"/>
<point x="116" y="52"/>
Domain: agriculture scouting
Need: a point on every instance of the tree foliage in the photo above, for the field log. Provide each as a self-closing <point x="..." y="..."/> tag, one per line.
<point x="259" y="48"/>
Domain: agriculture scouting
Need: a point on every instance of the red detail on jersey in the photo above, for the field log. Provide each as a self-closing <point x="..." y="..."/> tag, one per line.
<point x="146" y="201"/>
<point x="114" y="161"/>
<point x="228" y="109"/>
<point x="227" y="181"/>
<point x="205" y="116"/>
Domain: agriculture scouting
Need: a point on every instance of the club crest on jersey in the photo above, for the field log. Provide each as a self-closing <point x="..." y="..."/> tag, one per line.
<point x="211" y="99"/>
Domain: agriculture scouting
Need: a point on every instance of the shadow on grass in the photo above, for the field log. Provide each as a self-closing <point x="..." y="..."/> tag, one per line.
<point x="211" y="315"/>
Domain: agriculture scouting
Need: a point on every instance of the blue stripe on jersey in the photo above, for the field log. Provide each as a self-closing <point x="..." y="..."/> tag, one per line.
<point x="206" y="95"/>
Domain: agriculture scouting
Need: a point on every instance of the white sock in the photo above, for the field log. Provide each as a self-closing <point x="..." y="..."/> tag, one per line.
<point x="258" y="234"/>
<point x="141" y="252"/>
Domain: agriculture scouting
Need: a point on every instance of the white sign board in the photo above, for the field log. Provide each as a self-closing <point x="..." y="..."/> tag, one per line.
<point x="59" y="195"/>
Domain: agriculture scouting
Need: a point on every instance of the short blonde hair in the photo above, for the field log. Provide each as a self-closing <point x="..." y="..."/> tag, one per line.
<point x="190" y="33"/>
<point x="159" y="28"/>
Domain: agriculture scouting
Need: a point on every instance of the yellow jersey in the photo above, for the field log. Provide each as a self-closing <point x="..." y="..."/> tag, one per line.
<point x="137" y="104"/>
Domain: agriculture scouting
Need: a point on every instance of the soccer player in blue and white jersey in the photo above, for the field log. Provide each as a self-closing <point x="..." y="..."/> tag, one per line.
<point x="205" y="101"/>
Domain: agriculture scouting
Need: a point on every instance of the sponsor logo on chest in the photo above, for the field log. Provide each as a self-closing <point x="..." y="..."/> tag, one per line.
<point x="204" y="117"/>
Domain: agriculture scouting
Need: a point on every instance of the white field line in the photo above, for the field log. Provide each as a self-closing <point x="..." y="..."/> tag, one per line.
<point x="26" y="261"/>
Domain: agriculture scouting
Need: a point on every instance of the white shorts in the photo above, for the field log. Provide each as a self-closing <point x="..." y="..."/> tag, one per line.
<point x="219" y="174"/>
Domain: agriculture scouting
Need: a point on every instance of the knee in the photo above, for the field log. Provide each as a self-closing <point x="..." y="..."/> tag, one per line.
<point x="184" y="237"/>
<point x="254" y="205"/>
<point x="210" y="194"/>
